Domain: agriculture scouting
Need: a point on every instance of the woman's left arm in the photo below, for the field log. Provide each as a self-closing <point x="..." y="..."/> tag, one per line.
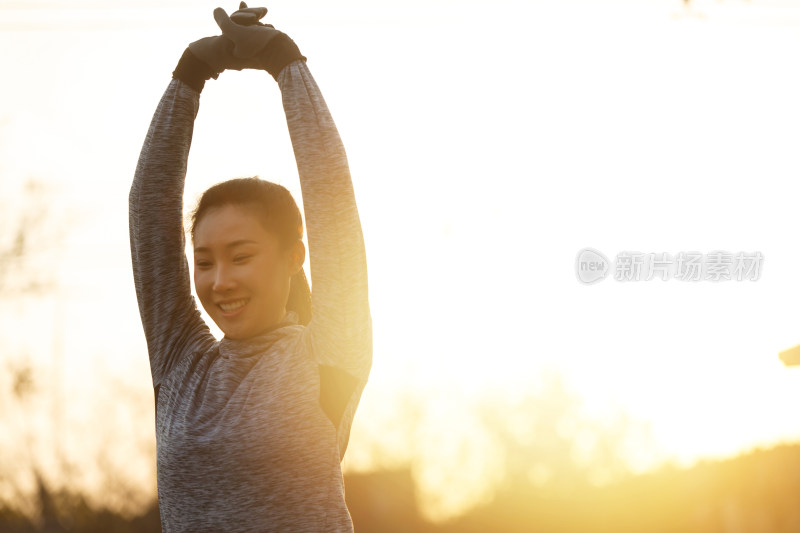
<point x="340" y="330"/>
<point x="339" y="334"/>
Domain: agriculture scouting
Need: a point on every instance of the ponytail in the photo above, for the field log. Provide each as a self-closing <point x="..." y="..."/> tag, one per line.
<point x="300" y="297"/>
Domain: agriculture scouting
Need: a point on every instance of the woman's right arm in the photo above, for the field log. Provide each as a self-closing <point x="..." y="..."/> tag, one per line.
<point x="172" y="323"/>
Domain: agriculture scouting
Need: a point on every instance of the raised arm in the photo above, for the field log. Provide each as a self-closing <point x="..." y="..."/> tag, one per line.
<point x="340" y="330"/>
<point x="172" y="323"/>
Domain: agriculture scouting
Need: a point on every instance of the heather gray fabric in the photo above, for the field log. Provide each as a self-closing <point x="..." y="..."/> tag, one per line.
<point x="244" y="441"/>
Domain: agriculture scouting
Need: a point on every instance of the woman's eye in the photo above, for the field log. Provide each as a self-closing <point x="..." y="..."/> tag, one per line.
<point x="241" y="258"/>
<point x="203" y="264"/>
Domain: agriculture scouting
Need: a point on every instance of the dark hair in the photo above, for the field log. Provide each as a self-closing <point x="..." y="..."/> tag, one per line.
<point x="274" y="205"/>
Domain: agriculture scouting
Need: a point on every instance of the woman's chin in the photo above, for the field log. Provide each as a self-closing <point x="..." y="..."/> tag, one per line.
<point x="231" y="331"/>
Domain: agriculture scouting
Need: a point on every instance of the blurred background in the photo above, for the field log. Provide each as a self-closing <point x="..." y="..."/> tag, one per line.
<point x="488" y="144"/>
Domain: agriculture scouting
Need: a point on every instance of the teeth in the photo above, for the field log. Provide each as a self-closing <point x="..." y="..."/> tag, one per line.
<point x="232" y="306"/>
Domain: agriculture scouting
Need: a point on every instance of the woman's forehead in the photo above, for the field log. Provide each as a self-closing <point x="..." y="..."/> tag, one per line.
<point x="230" y="224"/>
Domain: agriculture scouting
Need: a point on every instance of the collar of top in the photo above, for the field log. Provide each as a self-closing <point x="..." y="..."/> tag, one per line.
<point x="291" y="318"/>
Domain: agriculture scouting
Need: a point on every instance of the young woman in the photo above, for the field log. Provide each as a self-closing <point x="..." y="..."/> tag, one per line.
<point x="251" y="429"/>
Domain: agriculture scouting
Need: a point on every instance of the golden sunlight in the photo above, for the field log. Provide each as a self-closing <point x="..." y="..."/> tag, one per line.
<point x="487" y="146"/>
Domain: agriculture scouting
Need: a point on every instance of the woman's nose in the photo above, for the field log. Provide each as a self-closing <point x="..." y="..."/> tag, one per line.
<point x="223" y="280"/>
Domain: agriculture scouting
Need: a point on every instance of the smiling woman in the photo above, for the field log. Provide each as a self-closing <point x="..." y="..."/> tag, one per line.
<point x="251" y="429"/>
<point x="249" y="254"/>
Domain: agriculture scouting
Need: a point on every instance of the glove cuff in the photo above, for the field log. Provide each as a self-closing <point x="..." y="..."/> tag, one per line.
<point x="280" y="51"/>
<point x="193" y="72"/>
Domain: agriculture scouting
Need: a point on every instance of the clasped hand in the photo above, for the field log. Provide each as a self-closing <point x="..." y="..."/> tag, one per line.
<point x="243" y="37"/>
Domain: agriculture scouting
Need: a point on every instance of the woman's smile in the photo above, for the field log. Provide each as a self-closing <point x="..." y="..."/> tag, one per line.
<point x="231" y="308"/>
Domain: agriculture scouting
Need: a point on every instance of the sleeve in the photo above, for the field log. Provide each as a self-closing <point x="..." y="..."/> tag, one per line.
<point x="172" y="323"/>
<point x="339" y="334"/>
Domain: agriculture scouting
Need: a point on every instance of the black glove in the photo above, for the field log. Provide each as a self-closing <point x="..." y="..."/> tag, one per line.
<point x="252" y="45"/>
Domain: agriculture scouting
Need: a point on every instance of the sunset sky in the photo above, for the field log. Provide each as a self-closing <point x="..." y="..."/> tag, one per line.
<point x="488" y="144"/>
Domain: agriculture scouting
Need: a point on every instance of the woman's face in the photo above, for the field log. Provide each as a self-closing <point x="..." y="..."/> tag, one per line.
<point x="240" y="274"/>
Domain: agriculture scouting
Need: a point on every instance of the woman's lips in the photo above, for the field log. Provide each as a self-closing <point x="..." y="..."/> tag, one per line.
<point x="232" y="307"/>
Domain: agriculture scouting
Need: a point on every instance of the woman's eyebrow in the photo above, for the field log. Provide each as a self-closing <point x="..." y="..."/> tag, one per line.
<point x="229" y="245"/>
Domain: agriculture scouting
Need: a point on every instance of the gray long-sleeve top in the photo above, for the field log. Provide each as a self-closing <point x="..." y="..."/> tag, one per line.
<point x="251" y="433"/>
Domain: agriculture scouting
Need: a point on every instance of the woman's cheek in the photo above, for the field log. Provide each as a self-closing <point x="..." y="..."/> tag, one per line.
<point x="273" y="284"/>
<point x="201" y="285"/>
